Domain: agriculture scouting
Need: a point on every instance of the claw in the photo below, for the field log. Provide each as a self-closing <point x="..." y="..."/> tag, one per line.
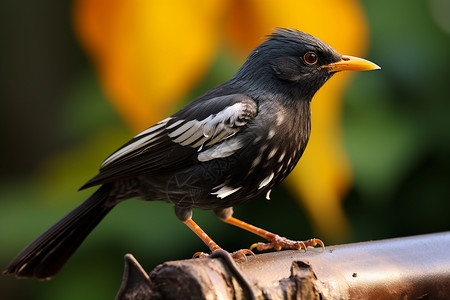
<point x="242" y="254"/>
<point x="200" y="255"/>
<point x="314" y="242"/>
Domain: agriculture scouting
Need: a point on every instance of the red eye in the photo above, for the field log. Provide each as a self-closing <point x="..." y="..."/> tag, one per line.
<point x="310" y="58"/>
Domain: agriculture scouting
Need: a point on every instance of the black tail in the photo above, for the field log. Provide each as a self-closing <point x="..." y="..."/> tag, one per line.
<point x="46" y="255"/>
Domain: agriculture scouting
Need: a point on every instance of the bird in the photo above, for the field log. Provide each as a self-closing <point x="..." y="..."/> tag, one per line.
<point x="234" y="143"/>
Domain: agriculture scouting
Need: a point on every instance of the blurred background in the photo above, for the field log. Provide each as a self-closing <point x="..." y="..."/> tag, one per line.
<point x="79" y="78"/>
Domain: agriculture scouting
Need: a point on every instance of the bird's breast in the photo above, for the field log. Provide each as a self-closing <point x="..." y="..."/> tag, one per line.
<point x="275" y="147"/>
<point x="278" y="151"/>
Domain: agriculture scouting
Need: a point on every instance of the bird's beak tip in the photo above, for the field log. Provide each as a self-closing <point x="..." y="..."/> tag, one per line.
<point x="351" y="63"/>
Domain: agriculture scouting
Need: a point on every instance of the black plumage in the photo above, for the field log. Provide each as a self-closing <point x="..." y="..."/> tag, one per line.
<point x="232" y="144"/>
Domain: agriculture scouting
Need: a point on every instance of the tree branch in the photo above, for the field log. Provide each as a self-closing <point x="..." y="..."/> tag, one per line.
<point x="412" y="267"/>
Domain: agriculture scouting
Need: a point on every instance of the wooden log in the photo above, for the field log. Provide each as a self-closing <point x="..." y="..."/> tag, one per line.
<point x="403" y="268"/>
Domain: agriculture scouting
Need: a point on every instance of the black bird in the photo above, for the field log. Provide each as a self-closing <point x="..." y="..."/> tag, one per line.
<point x="234" y="143"/>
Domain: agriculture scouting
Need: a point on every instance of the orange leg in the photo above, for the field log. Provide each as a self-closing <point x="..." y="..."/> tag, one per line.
<point x="275" y="241"/>
<point x="210" y="243"/>
<point x="202" y="235"/>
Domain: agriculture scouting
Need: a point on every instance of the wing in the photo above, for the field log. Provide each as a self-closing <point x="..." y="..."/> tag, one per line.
<point x="198" y="132"/>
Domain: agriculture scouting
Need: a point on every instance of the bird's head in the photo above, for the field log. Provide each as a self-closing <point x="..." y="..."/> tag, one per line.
<point x="293" y="60"/>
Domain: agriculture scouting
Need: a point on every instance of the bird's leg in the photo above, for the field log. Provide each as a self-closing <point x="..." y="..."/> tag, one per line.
<point x="210" y="243"/>
<point x="275" y="241"/>
<point x="202" y="235"/>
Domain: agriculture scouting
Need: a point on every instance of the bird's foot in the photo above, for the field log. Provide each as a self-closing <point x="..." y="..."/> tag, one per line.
<point x="241" y="254"/>
<point x="278" y="243"/>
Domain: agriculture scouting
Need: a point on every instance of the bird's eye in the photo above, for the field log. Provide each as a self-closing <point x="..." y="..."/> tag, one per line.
<point x="310" y="58"/>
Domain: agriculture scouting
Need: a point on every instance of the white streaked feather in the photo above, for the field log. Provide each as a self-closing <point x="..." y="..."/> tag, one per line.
<point x="221" y="136"/>
<point x="272" y="153"/>
<point x="199" y="144"/>
<point x="268" y="194"/>
<point x="144" y="141"/>
<point x="224" y="149"/>
<point x="194" y="133"/>
<point x="187" y="134"/>
<point x="129" y="148"/>
<point x="266" y="181"/>
<point x="280" y="168"/>
<point x="154" y="127"/>
<point x="225" y="191"/>
<point x="175" y="124"/>
<point x="280" y="159"/>
<point x="215" y="127"/>
<point x="256" y="161"/>
<point x="179" y="132"/>
<point x="210" y="125"/>
<point x="22" y="267"/>
<point x="194" y="137"/>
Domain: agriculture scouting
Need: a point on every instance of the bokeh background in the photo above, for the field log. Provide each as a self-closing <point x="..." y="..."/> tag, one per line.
<point x="79" y="78"/>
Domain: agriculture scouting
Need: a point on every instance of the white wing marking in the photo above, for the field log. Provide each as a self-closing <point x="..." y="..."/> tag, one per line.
<point x="175" y="124"/>
<point x="193" y="133"/>
<point x="144" y="141"/>
<point x="266" y="181"/>
<point x="224" y="149"/>
<point x="221" y="136"/>
<point x="272" y="153"/>
<point x="280" y="159"/>
<point x="194" y="137"/>
<point x="154" y="127"/>
<point x="225" y="191"/>
<point x="180" y="132"/>
<point x="256" y="161"/>
<point x="214" y="128"/>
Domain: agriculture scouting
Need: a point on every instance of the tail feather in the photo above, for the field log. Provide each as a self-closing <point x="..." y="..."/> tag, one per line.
<point x="46" y="255"/>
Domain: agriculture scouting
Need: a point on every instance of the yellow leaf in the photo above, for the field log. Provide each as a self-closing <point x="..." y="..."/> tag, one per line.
<point x="148" y="53"/>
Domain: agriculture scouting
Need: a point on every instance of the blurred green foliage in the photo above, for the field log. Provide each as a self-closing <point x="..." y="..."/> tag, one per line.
<point x="56" y="128"/>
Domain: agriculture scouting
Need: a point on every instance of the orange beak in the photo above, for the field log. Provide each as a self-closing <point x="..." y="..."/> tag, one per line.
<point x="351" y="63"/>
